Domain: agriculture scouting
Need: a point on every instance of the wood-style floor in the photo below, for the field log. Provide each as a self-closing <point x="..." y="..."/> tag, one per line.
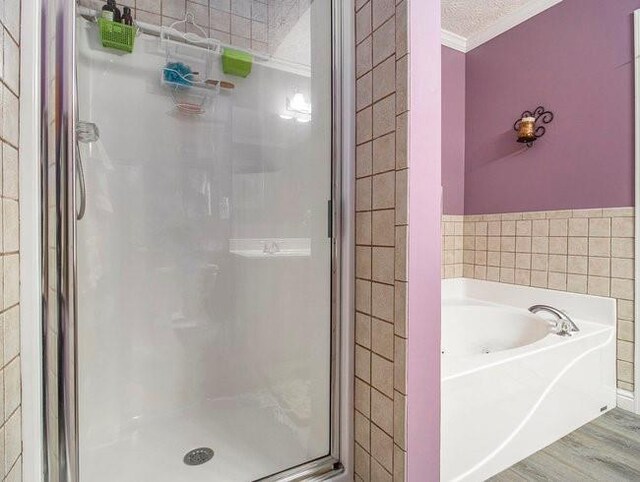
<point x="605" y="450"/>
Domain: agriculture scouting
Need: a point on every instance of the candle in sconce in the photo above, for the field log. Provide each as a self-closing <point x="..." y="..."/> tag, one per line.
<point x="527" y="130"/>
<point x="531" y="125"/>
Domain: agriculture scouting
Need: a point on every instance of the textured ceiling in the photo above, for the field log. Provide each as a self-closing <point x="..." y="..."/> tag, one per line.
<point x="469" y="17"/>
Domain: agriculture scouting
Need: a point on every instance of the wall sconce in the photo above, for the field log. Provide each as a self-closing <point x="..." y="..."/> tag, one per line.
<point x="527" y="128"/>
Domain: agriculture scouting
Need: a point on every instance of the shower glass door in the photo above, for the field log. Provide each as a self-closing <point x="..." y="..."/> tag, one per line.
<point x="204" y="257"/>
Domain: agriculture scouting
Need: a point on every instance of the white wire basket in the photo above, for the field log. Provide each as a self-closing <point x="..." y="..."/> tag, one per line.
<point x="188" y="69"/>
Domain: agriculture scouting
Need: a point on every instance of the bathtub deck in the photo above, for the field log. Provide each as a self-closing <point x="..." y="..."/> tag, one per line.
<point x="606" y="449"/>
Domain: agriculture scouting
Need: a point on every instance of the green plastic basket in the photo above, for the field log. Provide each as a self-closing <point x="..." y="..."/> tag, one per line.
<point x="116" y="35"/>
<point x="236" y="62"/>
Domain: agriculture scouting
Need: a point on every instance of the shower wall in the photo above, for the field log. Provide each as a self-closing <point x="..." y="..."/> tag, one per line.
<point x="381" y="239"/>
<point x="10" y="378"/>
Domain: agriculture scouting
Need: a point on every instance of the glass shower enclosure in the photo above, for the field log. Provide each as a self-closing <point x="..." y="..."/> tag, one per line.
<point x="190" y="293"/>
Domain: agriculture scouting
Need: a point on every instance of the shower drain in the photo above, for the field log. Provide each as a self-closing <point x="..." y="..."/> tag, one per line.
<point x="198" y="456"/>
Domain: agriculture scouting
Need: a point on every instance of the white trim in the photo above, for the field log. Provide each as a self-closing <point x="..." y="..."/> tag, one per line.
<point x="499" y="27"/>
<point x="454" y="41"/>
<point x="625" y="400"/>
<point x="30" y="299"/>
<point x="636" y="19"/>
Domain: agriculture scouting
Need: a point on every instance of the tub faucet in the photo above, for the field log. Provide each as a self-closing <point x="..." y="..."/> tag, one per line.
<point x="271" y="247"/>
<point x="564" y="325"/>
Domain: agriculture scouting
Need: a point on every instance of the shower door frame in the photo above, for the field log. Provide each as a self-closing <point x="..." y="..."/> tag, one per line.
<point x="631" y="400"/>
<point x="338" y="464"/>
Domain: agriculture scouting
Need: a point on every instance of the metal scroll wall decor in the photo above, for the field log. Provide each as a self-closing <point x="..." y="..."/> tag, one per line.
<point x="530" y="126"/>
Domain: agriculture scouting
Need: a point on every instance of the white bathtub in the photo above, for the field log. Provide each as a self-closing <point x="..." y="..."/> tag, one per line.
<point x="510" y="386"/>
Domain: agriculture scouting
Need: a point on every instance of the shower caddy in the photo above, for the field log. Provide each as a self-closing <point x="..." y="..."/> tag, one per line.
<point x="192" y="88"/>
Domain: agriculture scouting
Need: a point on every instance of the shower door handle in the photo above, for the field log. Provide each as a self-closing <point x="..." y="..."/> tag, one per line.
<point x="330" y="218"/>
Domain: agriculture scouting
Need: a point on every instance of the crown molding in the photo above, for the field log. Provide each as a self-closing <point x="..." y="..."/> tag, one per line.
<point x="499" y="27"/>
<point x="507" y="22"/>
<point x="454" y="41"/>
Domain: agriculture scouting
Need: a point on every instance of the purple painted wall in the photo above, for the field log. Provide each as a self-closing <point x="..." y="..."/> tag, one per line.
<point x="424" y="246"/>
<point x="453" y="130"/>
<point x="576" y="59"/>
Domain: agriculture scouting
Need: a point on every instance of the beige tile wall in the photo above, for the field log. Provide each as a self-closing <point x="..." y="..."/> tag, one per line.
<point x="452" y="246"/>
<point x="10" y="379"/>
<point x="381" y="238"/>
<point x="587" y="251"/>
<point x="256" y="24"/>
